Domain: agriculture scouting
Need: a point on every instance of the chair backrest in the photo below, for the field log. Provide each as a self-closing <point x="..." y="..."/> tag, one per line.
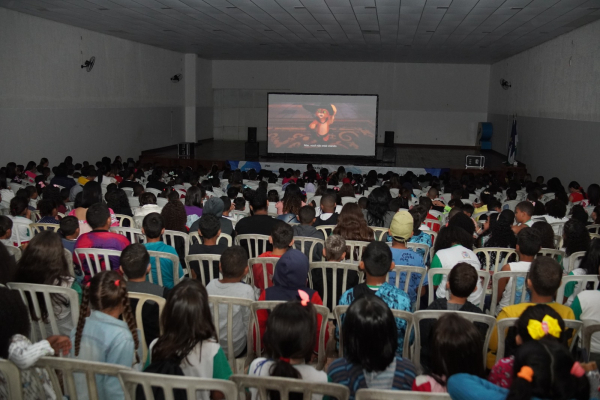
<point x="422" y="246"/>
<point x="211" y="261"/>
<point x="556" y="254"/>
<point x="347" y="199"/>
<point x="338" y="311"/>
<point x="94" y="258"/>
<point x="37" y="228"/>
<point x="29" y="293"/>
<point x="594" y="236"/>
<point x="132" y="380"/>
<point x="380" y="233"/>
<point x="122" y="218"/>
<point x="558" y="227"/>
<point x="512" y="204"/>
<point x="17" y="234"/>
<point x="142" y="298"/>
<point x="445" y="271"/>
<point x="158" y="257"/>
<point x="558" y="242"/>
<point x="435" y="314"/>
<point x="326" y="229"/>
<point x="15" y="252"/>
<point x="594" y="228"/>
<point x="269" y="305"/>
<point x="128" y="191"/>
<point x="134" y="235"/>
<point x="375" y="394"/>
<point x="169" y="238"/>
<point x="285" y="386"/>
<point x="575" y="259"/>
<point x="431" y="223"/>
<point x="317" y="200"/>
<point x="70" y="264"/>
<point x="433" y="235"/>
<point x="588" y="331"/>
<point x="334" y="267"/>
<point x="256" y="244"/>
<point x="355" y="250"/>
<point x="161" y="201"/>
<point x="501" y="327"/>
<point x="196" y="238"/>
<point x="582" y="281"/>
<point x="408" y="271"/>
<point x="309" y="246"/>
<point x="515" y="275"/>
<point x="228" y="304"/>
<point x="12" y="377"/>
<point x="264" y="262"/>
<point x="502" y="255"/>
<point x="69" y="368"/>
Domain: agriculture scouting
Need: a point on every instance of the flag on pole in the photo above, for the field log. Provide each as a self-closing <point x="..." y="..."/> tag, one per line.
<point x="512" y="146"/>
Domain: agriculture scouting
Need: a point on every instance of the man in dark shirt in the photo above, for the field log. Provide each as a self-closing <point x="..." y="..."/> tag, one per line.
<point x="61" y="178"/>
<point x="209" y="227"/>
<point x="154" y="180"/>
<point x="259" y="223"/>
<point x="128" y="179"/>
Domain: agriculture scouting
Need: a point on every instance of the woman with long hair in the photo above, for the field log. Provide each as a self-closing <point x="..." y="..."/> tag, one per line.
<point x="351" y="224"/>
<point x="291" y="190"/>
<point x="378" y="212"/>
<point x="90" y="195"/>
<point x="576" y="238"/>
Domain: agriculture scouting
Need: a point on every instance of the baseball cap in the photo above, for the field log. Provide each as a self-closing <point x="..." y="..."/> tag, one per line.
<point x="402" y="225"/>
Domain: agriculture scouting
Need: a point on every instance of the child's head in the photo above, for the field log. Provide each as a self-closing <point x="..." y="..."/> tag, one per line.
<point x="234" y="262"/>
<point x="546" y="234"/>
<point x="209" y="226"/>
<point x="69" y="227"/>
<point x="232" y="192"/>
<point x="32" y="192"/>
<point x="290" y="334"/>
<point x="187" y="305"/>
<point x="306" y="216"/>
<point x="576" y="237"/>
<point x="18" y="206"/>
<point x="362" y="202"/>
<point x="226" y="203"/>
<point x="468" y="209"/>
<point x="545" y="275"/>
<point x="328" y="203"/>
<point x="546" y="369"/>
<point x="6" y="225"/>
<point x="457" y="344"/>
<point x="377" y="259"/>
<point x="529" y="242"/>
<point x="153" y="225"/>
<point x="523" y="212"/>
<point x="23" y="193"/>
<point x="335" y="248"/>
<point x="107" y="293"/>
<point x="282" y="235"/>
<point x="273" y="196"/>
<point x="147" y="198"/>
<point x="135" y="261"/>
<point x="98" y="216"/>
<point x="511" y="194"/>
<point x="137" y="190"/>
<point x="14" y="310"/>
<point x="426" y="202"/>
<point x="239" y="204"/>
<point x="462" y="280"/>
<point x="47" y="208"/>
<point x="370" y="334"/>
<point x="556" y="209"/>
<point x="461" y="220"/>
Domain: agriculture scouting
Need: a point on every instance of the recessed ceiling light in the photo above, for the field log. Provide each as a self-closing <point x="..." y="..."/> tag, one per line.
<point x="100" y="9"/>
<point x="594" y="8"/>
<point x="543" y="32"/>
<point x="264" y="44"/>
<point x="370" y="8"/>
<point x="516" y="8"/>
<point x="443" y="8"/>
<point x="42" y="9"/>
<point x="321" y="30"/>
<point x="299" y="7"/>
<point x="430" y="31"/>
<point x="217" y="30"/>
<point x="486" y="32"/>
<point x="268" y="30"/>
<point x="168" y="30"/>
<point x="166" y="8"/>
<point x="407" y="45"/>
<point x="370" y="31"/>
<point x="231" y="7"/>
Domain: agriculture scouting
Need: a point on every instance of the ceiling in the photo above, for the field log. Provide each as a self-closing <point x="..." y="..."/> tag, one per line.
<point x="438" y="31"/>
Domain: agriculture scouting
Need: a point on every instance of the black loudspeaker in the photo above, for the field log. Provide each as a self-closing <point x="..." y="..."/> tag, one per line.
<point x="389" y="139"/>
<point x="186" y="150"/>
<point x="252" y="135"/>
<point x="251" y="151"/>
<point x="389" y="155"/>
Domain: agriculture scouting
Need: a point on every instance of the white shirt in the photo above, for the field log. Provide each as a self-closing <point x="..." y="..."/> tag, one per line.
<point x="452" y="256"/>
<point x="590" y="313"/>
<point x="520" y="266"/>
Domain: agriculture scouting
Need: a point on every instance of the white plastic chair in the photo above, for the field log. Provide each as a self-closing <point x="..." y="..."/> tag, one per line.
<point x="375" y="394"/>
<point x="420" y="246"/>
<point x="445" y="271"/>
<point x="325" y="229"/>
<point x="334" y="267"/>
<point x="155" y="192"/>
<point x="594" y="228"/>
<point x="161" y="201"/>
<point x="515" y="275"/>
<point x="310" y="246"/>
<point x="503" y="254"/>
<point x="575" y="259"/>
<point x="255" y="244"/>
<point x="133" y="201"/>
<point x="435" y="314"/>
<point x="587" y="333"/>
<point x="558" y="227"/>
<point x="134" y="235"/>
<point x="193" y="387"/>
<point x="317" y="200"/>
<point x="196" y="238"/>
<point x="12" y="376"/>
<point x="355" y="250"/>
<point x="41" y="330"/>
<point x="229" y="305"/>
<point x="431" y="223"/>
<point x="17" y="225"/>
<point x="142" y="298"/>
<point x="210" y="261"/>
<point x="122" y="218"/>
<point x="555" y="254"/>
<point x="70" y="263"/>
<point x="37" y="228"/>
<point x="158" y="257"/>
<point x="512" y="204"/>
<point x="169" y="237"/>
<point x="581" y="284"/>
<point x="346" y="200"/>
<point x="380" y="233"/>
<point x="285" y="386"/>
<point x="15" y="252"/>
<point x="558" y="242"/>
<point x="128" y="191"/>
<point x="93" y="259"/>
<point x="264" y="262"/>
<point x="408" y="271"/>
<point x="338" y="311"/>
<point x="71" y="370"/>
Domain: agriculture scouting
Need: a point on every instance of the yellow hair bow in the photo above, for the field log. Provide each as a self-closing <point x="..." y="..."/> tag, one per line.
<point x="548" y="326"/>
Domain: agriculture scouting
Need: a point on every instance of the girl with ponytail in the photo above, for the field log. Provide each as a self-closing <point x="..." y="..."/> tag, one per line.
<point x="289" y="343"/>
<point x="100" y="334"/>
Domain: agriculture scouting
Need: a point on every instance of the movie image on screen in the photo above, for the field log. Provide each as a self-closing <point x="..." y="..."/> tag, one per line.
<point x="344" y="125"/>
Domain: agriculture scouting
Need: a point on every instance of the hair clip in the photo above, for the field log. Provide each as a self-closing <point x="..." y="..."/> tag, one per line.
<point x="88" y="284"/>
<point x="117" y="282"/>
<point x="303" y="297"/>
<point x="548" y="326"/>
<point x="287" y="360"/>
<point x="526" y="373"/>
<point x="577" y="370"/>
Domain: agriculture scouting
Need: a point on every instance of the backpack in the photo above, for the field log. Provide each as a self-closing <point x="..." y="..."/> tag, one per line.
<point x="166" y="367"/>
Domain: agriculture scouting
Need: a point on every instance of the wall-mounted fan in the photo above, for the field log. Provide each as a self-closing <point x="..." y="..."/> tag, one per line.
<point x="505" y="84"/>
<point x="89" y="64"/>
<point x="176" y="78"/>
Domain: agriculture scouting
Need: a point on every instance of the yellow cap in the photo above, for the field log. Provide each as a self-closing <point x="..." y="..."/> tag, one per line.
<point x="402" y="225"/>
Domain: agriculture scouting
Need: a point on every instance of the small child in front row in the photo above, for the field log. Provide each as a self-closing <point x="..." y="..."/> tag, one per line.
<point x="153" y="227"/>
<point x="48" y="211"/>
<point x="289" y="341"/>
<point x="282" y="239"/>
<point x="102" y="336"/>
<point x="6" y="225"/>
<point x="233" y="267"/>
<point x="69" y="230"/>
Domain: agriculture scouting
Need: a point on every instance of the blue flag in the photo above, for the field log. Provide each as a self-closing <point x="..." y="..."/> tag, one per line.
<point x="512" y="146"/>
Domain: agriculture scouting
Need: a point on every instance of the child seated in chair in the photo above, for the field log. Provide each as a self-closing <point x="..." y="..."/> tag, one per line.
<point x="6" y="225"/>
<point x="282" y="239"/>
<point x="233" y="267"/>
<point x="48" y="212"/>
<point x="69" y="231"/>
<point x="154" y="228"/>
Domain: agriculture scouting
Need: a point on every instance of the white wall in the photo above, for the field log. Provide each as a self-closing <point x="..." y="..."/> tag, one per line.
<point x="435" y="104"/>
<point x="556" y="96"/>
<point x="50" y="107"/>
<point x="204" y="100"/>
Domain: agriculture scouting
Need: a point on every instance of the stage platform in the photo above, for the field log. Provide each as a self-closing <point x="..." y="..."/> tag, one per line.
<point x="416" y="158"/>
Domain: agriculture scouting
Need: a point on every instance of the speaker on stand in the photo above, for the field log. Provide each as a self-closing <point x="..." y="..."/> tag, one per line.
<point x="389" y="150"/>
<point x="251" y="151"/>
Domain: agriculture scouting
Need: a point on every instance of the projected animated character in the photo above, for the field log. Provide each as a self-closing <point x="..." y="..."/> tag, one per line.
<point x="325" y="115"/>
